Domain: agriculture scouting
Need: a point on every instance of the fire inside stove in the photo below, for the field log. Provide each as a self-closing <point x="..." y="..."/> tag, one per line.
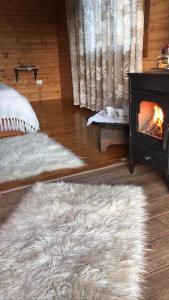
<point x="150" y="119"/>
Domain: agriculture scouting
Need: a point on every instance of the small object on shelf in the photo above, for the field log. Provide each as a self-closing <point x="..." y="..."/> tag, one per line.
<point x="24" y="68"/>
<point x="163" y="61"/>
<point x="163" y="58"/>
<point x="165" y="50"/>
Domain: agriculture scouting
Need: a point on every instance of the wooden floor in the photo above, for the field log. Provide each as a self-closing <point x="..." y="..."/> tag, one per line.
<point x="67" y="124"/>
<point x="156" y="285"/>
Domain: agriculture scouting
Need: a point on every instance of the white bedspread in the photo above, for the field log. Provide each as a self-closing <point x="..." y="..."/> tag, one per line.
<point x="16" y="113"/>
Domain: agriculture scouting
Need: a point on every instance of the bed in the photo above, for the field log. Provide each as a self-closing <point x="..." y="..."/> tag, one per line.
<point x="17" y="116"/>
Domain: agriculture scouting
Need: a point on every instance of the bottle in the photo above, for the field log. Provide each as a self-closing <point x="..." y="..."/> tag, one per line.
<point x="163" y="58"/>
<point x="165" y="50"/>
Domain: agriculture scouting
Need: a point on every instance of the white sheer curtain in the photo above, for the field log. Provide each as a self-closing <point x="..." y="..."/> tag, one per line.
<point x="106" y="40"/>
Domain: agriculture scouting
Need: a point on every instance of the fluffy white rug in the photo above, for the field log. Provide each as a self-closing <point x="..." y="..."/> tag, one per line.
<point x="32" y="154"/>
<point x="74" y="242"/>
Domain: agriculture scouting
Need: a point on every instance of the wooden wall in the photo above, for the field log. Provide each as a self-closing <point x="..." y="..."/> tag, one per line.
<point x="158" y="34"/>
<point x="35" y="32"/>
<point x="64" y="54"/>
<point x="28" y="34"/>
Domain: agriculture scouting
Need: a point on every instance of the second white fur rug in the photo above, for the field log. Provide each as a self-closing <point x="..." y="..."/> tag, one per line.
<point x="74" y="242"/>
<point x="31" y="154"/>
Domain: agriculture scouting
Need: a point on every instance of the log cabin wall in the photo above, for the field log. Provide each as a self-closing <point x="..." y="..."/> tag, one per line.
<point x="64" y="52"/>
<point x="158" y="33"/>
<point x="35" y="32"/>
<point x="28" y="35"/>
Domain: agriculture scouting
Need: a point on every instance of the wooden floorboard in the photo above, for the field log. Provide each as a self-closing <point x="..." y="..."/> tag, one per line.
<point x="67" y="124"/>
<point x="156" y="285"/>
<point x="156" y="229"/>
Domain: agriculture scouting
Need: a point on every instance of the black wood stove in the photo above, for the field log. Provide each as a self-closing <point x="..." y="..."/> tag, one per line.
<point x="149" y="120"/>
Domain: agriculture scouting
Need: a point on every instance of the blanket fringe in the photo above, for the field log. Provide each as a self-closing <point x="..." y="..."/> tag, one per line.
<point x="16" y="124"/>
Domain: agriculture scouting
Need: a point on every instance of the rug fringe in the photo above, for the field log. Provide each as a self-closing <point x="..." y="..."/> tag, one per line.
<point x="16" y="124"/>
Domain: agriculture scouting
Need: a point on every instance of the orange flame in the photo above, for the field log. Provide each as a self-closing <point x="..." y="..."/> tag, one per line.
<point x="158" y="117"/>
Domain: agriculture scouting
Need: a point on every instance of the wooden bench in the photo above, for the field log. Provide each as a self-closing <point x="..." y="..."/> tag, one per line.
<point x="111" y="134"/>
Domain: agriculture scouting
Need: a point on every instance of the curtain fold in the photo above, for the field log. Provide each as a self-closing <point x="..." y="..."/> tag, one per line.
<point x="106" y="40"/>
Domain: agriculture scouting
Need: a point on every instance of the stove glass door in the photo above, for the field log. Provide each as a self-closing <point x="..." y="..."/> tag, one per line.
<point x="150" y="119"/>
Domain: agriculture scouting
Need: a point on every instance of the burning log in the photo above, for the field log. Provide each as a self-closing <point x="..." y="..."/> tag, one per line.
<point x="154" y="125"/>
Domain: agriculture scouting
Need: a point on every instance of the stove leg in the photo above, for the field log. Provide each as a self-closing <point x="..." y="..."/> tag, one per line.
<point x="167" y="180"/>
<point x="132" y="166"/>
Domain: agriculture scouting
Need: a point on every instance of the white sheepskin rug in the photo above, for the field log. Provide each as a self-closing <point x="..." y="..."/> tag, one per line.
<point x="74" y="242"/>
<point x="29" y="155"/>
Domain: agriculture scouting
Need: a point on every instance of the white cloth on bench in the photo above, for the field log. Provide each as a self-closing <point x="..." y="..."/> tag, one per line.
<point x="102" y="117"/>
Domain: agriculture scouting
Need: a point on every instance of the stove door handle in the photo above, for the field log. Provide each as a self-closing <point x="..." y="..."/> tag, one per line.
<point x="165" y="139"/>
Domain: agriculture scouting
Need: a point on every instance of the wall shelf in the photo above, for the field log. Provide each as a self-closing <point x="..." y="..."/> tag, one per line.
<point x="33" y="69"/>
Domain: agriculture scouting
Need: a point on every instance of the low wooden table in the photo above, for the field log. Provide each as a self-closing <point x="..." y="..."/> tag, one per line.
<point x="112" y="134"/>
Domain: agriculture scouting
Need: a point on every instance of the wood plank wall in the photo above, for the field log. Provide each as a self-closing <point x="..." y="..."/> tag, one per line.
<point x="158" y="34"/>
<point x="35" y="32"/>
<point x="64" y="53"/>
<point x="28" y="34"/>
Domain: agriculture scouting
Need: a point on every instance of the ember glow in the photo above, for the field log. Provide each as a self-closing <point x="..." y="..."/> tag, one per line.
<point x="158" y="117"/>
<point x="151" y="119"/>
